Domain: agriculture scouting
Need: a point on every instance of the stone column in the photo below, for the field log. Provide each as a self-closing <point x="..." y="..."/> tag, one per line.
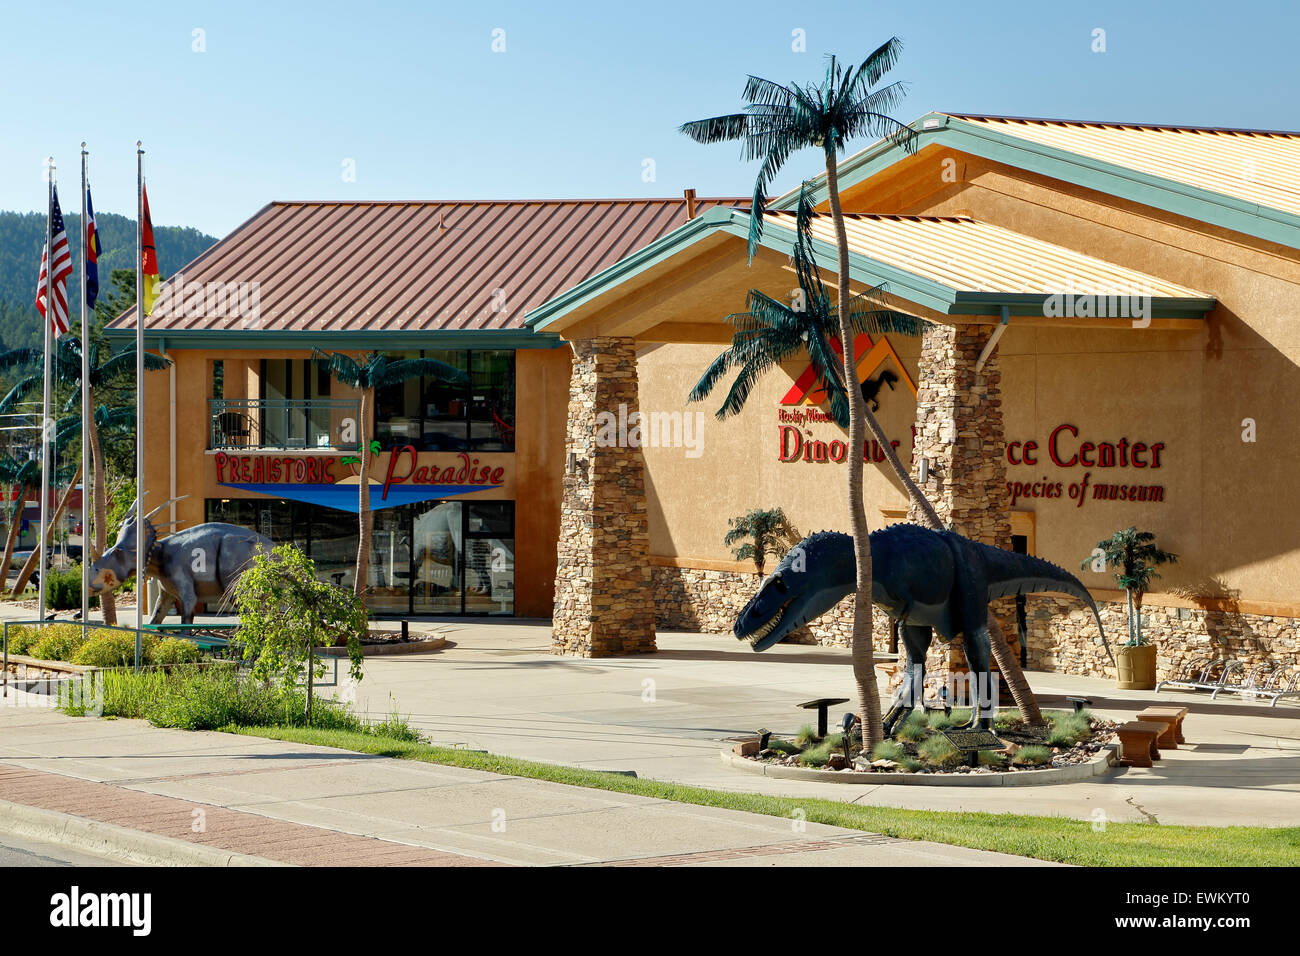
<point x="959" y="428"/>
<point x="604" y="599"/>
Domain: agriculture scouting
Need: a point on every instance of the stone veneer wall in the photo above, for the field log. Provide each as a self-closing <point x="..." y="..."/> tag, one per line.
<point x="1062" y="635"/>
<point x="959" y="428"/>
<point x="604" y="602"/>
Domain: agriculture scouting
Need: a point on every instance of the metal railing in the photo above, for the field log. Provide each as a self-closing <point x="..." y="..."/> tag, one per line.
<point x="238" y="423"/>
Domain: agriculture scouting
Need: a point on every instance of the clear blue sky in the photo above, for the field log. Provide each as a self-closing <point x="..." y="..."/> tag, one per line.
<point x="584" y="92"/>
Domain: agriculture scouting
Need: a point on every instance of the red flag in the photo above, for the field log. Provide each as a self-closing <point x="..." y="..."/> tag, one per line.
<point x="148" y="259"/>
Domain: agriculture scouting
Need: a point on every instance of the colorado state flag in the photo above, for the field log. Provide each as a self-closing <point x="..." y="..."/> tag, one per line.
<point x="93" y="250"/>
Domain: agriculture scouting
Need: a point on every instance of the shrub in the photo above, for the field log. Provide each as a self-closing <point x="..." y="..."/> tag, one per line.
<point x="174" y="650"/>
<point x="938" y="751"/>
<point x="107" y="649"/>
<point x="1031" y="756"/>
<point x="888" y="750"/>
<point x="63" y="589"/>
<point x="915" y="728"/>
<point x="992" y="758"/>
<point x="806" y="736"/>
<point x="22" y="637"/>
<point x="784" y="746"/>
<point x="57" y="642"/>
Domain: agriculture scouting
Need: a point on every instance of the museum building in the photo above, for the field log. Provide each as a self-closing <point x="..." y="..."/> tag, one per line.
<point x="1112" y="341"/>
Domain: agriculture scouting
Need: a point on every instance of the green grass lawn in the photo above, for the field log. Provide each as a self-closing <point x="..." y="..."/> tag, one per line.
<point x="1046" y="838"/>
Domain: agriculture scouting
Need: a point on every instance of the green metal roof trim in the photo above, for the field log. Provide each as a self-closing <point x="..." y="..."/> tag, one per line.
<point x="1203" y="205"/>
<point x="261" y="340"/>
<point x="905" y="285"/>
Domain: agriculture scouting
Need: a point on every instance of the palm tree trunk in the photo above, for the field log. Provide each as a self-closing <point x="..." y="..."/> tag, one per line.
<point x="1008" y="666"/>
<point x="363" y="501"/>
<point x="107" y="602"/>
<point x="11" y="539"/>
<point x="863" y="652"/>
<point x="1135" y="616"/>
<point x="26" y="573"/>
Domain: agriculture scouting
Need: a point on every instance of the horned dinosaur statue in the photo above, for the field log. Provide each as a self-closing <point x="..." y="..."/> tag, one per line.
<point x="196" y="564"/>
<point x="929" y="581"/>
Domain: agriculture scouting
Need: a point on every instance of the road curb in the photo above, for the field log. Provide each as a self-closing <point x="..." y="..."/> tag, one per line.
<point x="1098" y="765"/>
<point x="120" y="843"/>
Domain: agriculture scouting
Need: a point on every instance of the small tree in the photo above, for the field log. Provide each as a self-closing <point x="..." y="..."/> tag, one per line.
<point x="769" y="532"/>
<point x="1134" y="557"/>
<point x="285" y="611"/>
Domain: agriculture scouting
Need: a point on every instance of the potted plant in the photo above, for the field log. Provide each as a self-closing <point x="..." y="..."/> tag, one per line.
<point x="1134" y="557"/>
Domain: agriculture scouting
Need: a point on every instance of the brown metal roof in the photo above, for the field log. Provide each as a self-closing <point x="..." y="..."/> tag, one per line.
<point x="414" y="266"/>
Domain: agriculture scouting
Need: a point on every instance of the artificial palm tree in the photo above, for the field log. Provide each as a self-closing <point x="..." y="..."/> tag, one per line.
<point x="1134" y="557"/>
<point x="764" y="532"/>
<point x="778" y="121"/>
<point x="109" y="373"/>
<point x="366" y="373"/>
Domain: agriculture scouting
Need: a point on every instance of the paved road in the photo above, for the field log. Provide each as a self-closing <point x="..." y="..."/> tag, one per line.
<point x="15" y="851"/>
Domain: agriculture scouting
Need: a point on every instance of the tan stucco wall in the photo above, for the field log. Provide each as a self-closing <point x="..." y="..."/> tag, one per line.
<point x="1229" y="505"/>
<point x="542" y="381"/>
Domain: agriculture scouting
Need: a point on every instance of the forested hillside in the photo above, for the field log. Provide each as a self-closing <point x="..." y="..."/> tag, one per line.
<point x="21" y="238"/>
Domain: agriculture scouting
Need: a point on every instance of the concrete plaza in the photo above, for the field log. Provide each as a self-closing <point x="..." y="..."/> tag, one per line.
<point x="667" y="716"/>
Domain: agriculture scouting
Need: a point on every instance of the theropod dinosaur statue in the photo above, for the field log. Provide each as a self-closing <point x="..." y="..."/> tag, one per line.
<point x="929" y="581"/>
<point x="201" y="563"/>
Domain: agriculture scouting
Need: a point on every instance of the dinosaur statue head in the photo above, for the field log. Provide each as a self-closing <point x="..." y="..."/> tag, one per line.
<point x="116" y="565"/>
<point x="809" y="581"/>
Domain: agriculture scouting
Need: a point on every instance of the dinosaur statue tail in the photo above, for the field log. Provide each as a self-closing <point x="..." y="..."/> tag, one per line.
<point x="1010" y="573"/>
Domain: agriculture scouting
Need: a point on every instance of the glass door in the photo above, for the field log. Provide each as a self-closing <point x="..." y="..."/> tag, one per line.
<point x="437" y="584"/>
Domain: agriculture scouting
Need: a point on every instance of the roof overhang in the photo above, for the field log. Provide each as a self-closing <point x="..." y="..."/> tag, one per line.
<point x="941" y="129"/>
<point x="907" y="290"/>
<point x="261" y="340"/>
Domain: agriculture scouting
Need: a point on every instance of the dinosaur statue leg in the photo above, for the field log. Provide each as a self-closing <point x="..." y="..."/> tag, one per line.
<point x="982" y="701"/>
<point x="917" y="641"/>
<point x="160" y="607"/>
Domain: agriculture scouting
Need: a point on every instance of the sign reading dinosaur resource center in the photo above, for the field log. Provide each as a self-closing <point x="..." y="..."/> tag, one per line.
<point x="805" y="404"/>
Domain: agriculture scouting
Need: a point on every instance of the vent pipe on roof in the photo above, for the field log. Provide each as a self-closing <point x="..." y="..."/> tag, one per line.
<point x="690" y="203"/>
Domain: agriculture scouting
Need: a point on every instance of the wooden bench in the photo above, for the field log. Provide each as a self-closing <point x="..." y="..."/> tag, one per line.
<point x="1137" y="742"/>
<point x="1168" y="710"/>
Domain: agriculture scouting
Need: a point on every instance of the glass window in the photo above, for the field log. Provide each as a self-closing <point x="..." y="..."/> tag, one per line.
<point x="443" y="405"/>
<point x="437" y="557"/>
<point x="434" y="414"/>
<point x="492" y="400"/>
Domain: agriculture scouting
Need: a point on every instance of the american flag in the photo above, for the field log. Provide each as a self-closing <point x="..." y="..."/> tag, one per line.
<point x="62" y="270"/>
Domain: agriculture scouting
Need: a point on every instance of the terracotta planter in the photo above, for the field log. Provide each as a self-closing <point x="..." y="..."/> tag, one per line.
<point x="1135" y="667"/>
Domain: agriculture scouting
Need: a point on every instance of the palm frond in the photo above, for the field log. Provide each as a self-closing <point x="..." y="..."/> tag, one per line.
<point x="394" y="373"/>
<point x="717" y="129"/>
<point x="16" y="358"/>
<point x="342" y="367"/>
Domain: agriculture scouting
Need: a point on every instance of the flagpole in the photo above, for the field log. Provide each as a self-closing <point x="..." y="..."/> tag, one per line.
<point x="45" y="392"/>
<point x="141" y="589"/>
<point x="85" y="410"/>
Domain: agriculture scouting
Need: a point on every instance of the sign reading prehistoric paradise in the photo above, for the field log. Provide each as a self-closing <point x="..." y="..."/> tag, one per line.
<point x="804" y="404"/>
<point x="332" y="480"/>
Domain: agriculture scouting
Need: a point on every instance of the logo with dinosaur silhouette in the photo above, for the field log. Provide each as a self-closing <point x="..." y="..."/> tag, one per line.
<point x="870" y="358"/>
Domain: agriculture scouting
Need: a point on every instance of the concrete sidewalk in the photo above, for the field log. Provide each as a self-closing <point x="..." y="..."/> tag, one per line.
<point x="667" y="716"/>
<point x="308" y="805"/>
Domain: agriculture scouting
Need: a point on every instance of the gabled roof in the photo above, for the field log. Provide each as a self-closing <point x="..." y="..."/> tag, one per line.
<point x="385" y="267"/>
<point x="951" y="265"/>
<point x="1244" y="180"/>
